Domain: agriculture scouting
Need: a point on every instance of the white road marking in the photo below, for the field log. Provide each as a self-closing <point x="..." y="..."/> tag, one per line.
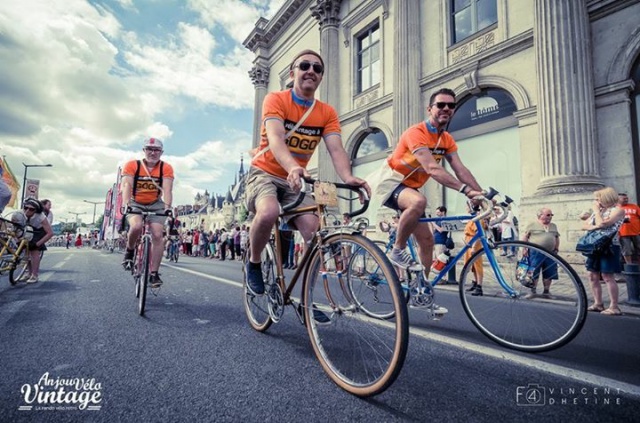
<point x="500" y="354"/>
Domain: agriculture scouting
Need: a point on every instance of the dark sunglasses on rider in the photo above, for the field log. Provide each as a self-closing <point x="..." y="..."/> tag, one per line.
<point x="28" y="209"/>
<point x="442" y="104"/>
<point x="317" y="67"/>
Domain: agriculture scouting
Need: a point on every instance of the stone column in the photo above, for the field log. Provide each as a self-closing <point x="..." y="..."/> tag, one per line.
<point x="566" y="107"/>
<point x="259" y="75"/>
<point x="407" y="106"/>
<point x="327" y="13"/>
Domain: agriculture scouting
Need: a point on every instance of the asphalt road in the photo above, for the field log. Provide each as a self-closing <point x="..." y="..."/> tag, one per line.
<point x="193" y="357"/>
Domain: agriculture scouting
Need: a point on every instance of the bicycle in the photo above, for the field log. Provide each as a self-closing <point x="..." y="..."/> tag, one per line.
<point x="141" y="260"/>
<point x="504" y="312"/>
<point x="14" y="252"/>
<point x="362" y="354"/>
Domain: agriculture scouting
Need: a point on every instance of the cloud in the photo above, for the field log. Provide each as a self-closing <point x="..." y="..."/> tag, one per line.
<point x="81" y="86"/>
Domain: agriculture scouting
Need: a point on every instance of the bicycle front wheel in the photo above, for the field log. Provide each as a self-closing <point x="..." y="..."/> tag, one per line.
<point x="144" y="276"/>
<point x="361" y="351"/>
<point x="22" y="264"/>
<point x="257" y="306"/>
<point x="532" y="307"/>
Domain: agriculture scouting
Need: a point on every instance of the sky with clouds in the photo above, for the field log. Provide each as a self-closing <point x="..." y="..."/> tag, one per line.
<point x="82" y="83"/>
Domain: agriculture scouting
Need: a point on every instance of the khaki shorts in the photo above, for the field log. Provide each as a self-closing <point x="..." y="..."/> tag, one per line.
<point x="155" y="207"/>
<point x="261" y="184"/>
<point x="630" y="245"/>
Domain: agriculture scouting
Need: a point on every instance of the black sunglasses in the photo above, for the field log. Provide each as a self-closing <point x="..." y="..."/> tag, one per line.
<point x="442" y="104"/>
<point x="317" y="67"/>
<point x="29" y="208"/>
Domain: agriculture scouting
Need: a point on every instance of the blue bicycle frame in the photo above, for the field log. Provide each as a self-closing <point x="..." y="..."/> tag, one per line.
<point x="479" y="236"/>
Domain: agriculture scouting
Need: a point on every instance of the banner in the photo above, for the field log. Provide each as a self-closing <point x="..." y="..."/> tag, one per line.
<point x="11" y="181"/>
<point x="32" y="187"/>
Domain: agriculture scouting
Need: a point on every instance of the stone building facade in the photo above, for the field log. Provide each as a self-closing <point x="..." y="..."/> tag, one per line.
<point x="548" y="91"/>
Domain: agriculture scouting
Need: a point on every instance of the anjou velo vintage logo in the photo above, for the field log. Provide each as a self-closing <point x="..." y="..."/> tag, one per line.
<point x="61" y="394"/>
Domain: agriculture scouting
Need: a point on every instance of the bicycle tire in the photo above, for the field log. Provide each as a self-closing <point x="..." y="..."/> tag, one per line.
<point x="136" y="269"/>
<point x="256" y="307"/>
<point x="24" y="259"/>
<point x="361" y="353"/>
<point x="144" y="282"/>
<point x="520" y="322"/>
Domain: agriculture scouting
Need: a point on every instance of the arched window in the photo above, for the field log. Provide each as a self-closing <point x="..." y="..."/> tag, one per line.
<point x="488" y="144"/>
<point x="369" y="147"/>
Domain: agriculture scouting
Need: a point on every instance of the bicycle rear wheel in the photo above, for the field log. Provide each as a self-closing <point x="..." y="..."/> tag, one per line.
<point x="257" y="306"/>
<point x="368" y="285"/>
<point x="361" y="352"/>
<point x="522" y="320"/>
<point x="144" y="276"/>
<point x="22" y="264"/>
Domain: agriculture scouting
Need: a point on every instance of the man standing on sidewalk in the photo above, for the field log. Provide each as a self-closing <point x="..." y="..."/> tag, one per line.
<point x="630" y="230"/>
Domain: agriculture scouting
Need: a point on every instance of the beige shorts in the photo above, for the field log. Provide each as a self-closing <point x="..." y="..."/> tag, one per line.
<point x="261" y="184"/>
<point x="155" y="207"/>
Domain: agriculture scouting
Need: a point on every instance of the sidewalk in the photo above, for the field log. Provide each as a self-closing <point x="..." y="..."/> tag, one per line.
<point x="622" y="288"/>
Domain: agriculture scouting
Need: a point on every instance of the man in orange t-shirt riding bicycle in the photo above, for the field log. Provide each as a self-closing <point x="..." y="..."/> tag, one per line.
<point x="281" y="159"/>
<point x="147" y="185"/>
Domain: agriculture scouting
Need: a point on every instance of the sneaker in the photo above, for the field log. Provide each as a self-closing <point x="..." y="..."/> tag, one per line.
<point x="439" y="310"/>
<point x="154" y="280"/>
<point x="255" y="283"/>
<point x="477" y="292"/>
<point x="32" y="279"/>
<point x="319" y="317"/>
<point x="473" y="286"/>
<point x="127" y="262"/>
<point x="546" y="296"/>
<point x="403" y="259"/>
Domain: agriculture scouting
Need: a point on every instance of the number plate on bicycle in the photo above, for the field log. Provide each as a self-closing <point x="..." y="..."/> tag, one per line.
<point x="325" y="193"/>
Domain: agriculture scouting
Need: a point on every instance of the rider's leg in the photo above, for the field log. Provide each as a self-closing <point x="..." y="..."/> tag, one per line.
<point x="267" y="210"/>
<point x="424" y="239"/>
<point x="412" y="203"/>
<point x="157" y="246"/>
<point x="135" y="229"/>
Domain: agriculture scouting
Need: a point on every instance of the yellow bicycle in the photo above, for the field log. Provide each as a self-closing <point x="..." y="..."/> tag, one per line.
<point x="14" y="252"/>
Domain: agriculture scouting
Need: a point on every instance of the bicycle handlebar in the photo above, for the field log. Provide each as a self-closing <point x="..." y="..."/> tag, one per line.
<point x="487" y="205"/>
<point x="355" y="188"/>
<point x="166" y="213"/>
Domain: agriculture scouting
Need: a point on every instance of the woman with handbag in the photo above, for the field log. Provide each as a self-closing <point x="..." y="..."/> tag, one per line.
<point x="607" y="217"/>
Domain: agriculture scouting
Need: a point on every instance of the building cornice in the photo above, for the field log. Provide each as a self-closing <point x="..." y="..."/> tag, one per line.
<point x="265" y="31"/>
<point x="601" y="8"/>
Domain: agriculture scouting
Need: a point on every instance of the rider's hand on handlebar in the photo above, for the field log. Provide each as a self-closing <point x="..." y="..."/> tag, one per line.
<point x="294" y="177"/>
<point x="361" y="183"/>
<point x="471" y="194"/>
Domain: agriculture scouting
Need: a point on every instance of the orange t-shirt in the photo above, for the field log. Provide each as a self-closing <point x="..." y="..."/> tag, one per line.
<point x="146" y="191"/>
<point x="632" y="212"/>
<point x="286" y="107"/>
<point x="421" y="135"/>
